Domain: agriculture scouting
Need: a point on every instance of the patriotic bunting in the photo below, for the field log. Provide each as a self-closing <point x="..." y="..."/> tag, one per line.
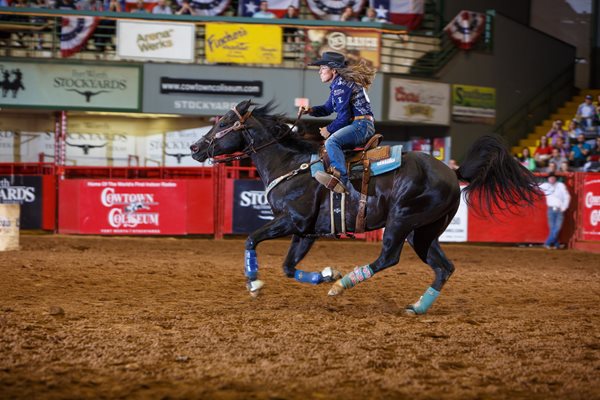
<point x="466" y="28"/>
<point x="332" y="9"/>
<point x="408" y="13"/>
<point x="74" y="33"/>
<point x="278" y="7"/>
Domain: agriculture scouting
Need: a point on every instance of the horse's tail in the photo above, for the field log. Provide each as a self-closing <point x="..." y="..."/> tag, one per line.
<point x="496" y="179"/>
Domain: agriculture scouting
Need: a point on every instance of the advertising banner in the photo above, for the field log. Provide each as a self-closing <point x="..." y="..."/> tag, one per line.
<point x="26" y="191"/>
<point x="7" y="146"/>
<point x="70" y="86"/>
<point x="243" y="43"/>
<point x="353" y="43"/>
<point x="419" y="101"/>
<point x="129" y="207"/>
<point x="203" y="86"/>
<point x="156" y="41"/>
<point x="457" y="231"/>
<point x="475" y="104"/>
<point x="251" y="210"/>
<point x="591" y="208"/>
<point x="36" y="146"/>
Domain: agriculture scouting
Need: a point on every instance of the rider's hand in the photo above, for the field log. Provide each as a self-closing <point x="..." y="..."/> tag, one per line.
<point x="304" y="110"/>
<point x="324" y="132"/>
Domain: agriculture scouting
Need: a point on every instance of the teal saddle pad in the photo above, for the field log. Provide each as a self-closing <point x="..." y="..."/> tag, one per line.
<point x="377" y="167"/>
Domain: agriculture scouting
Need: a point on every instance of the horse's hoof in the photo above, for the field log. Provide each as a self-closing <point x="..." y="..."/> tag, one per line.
<point x="330" y="274"/>
<point x="254" y="287"/>
<point x="336" y="289"/>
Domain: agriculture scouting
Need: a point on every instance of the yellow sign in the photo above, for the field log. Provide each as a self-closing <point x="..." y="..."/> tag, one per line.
<point x="243" y="43"/>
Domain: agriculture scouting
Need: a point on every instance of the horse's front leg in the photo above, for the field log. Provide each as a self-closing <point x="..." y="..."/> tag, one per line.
<point x="278" y="227"/>
<point x="299" y="247"/>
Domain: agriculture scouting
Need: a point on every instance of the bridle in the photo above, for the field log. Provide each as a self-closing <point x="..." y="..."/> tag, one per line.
<point x="240" y="125"/>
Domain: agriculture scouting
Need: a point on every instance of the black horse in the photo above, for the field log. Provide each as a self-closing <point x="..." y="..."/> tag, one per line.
<point x="415" y="202"/>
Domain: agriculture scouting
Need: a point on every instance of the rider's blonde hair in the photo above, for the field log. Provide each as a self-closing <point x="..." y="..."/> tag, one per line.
<point x="358" y="71"/>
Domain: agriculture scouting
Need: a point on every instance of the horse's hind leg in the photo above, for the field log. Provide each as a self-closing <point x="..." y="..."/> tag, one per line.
<point x="299" y="247"/>
<point x="424" y="241"/>
<point x="393" y="241"/>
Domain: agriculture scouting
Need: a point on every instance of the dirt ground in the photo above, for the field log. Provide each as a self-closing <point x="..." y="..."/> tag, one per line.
<point x="96" y="317"/>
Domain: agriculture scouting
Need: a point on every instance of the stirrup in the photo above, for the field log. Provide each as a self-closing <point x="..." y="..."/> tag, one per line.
<point x="330" y="182"/>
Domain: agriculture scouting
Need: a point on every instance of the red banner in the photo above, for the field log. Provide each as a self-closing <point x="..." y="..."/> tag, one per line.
<point x="590" y="215"/>
<point x="126" y="207"/>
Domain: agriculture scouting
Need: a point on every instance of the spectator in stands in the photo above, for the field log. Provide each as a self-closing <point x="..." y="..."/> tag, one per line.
<point x="65" y="5"/>
<point x="3" y="3"/>
<point x="593" y="160"/>
<point x="564" y="148"/>
<point x="186" y="8"/>
<point x="564" y="167"/>
<point x="556" y="131"/>
<point x="552" y="167"/>
<point x="556" y="157"/>
<point x="371" y="16"/>
<point x="263" y="11"/>
<point x="348" y="14"/>
<point x="579" y="152"/>
<point x="106" y="28"/>
<point x="543" y="153"/>
<point x="90" y="5"/>
<point x="557" y="200"/>
<point x="585" y="113"/>
<point x="291" y="34"/>
<point x="162" y="8"/>
<point x="526" y="160"/>
<point x="573" y="130"/>
<point x="139" y="8"/>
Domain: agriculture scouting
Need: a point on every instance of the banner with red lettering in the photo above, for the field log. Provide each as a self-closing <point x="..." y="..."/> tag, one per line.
<point x="419" y="101"/>
<point x="129" y="207"/>
<point x="590" y="210"/>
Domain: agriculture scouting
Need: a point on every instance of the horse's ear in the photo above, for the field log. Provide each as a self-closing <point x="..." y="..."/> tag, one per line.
<point x="243" y="106"/>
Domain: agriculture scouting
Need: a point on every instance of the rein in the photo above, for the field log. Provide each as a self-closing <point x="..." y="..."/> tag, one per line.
<point x="241" y="125"/>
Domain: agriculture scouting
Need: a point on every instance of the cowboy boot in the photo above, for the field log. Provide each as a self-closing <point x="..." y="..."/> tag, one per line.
<point x="330" y="182"/>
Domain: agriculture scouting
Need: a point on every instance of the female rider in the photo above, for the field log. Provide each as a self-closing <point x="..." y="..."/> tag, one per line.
<point x="354" y="123"/>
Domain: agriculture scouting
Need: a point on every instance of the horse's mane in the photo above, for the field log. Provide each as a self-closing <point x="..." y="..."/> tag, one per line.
<point x="298" y="139"/>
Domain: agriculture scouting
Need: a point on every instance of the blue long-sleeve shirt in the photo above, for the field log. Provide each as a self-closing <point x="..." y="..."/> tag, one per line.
<point x="348" y="99"/>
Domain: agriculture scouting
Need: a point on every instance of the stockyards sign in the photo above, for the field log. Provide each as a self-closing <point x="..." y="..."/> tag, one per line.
<point x="353" y="43"/>
<point x="155" y="41"/>
<point x="243" y="43"/>
<point x="72" y="86"/>
<point x="419" y="101"/>
<point x="475" y="104"/>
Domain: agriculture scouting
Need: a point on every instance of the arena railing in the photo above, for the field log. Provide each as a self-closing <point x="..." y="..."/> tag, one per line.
<point x="35" y="32"/>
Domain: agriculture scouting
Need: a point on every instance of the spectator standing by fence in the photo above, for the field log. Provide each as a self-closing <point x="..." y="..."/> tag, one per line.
<point x="186" y="8"/>
<point x="557" y="200"/>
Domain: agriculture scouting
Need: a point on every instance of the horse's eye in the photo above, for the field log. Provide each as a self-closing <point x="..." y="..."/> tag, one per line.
<point x="221" y="124"/>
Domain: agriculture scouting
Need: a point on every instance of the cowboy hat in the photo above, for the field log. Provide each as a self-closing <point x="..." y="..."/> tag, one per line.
<point x="331" y="59"/>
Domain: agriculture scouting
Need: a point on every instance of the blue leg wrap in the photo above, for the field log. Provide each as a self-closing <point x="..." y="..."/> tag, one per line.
<point x="359" y="274"/>
<point x="313" y="278"/>
<point x="425" y="301"/>
<point x="251" y="265"/>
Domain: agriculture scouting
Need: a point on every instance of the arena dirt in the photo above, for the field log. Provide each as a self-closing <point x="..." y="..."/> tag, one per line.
<point x="91" y="317"/>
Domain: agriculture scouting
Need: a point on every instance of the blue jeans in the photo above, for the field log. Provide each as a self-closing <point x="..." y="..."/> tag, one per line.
<point x="354" y="135"/>
<point x="555" y="221"/>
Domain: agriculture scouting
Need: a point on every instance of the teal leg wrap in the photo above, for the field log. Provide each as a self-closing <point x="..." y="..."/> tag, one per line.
<point x="359" y="274"/>
<point x="425" y="301"/>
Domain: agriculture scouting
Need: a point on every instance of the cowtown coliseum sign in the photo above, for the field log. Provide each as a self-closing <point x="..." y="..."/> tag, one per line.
<point x="72" y="86"/>
<point x="590" y="210"/>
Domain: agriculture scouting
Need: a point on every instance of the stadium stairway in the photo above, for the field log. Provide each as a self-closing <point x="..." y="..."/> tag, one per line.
<point x="564" y="113"/>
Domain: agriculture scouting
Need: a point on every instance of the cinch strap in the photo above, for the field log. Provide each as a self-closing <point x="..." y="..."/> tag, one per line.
<point x="251" y="265"/>
<point x="425" y="301"/>
<point x="359" y="274"/>
<point x="313" y="278"/>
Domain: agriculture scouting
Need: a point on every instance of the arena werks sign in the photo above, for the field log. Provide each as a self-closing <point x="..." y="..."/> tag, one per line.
<point x="71" y="86"/>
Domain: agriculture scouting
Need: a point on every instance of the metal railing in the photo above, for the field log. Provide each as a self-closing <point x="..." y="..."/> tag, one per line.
<point x="538" y="107"/>
<point x="35" y="33"/>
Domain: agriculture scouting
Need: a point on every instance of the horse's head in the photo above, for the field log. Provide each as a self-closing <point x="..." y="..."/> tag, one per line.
<point x="227" y="136"/>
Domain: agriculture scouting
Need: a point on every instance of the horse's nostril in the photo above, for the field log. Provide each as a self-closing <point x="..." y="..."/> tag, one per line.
<point x="194" y="148"/>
